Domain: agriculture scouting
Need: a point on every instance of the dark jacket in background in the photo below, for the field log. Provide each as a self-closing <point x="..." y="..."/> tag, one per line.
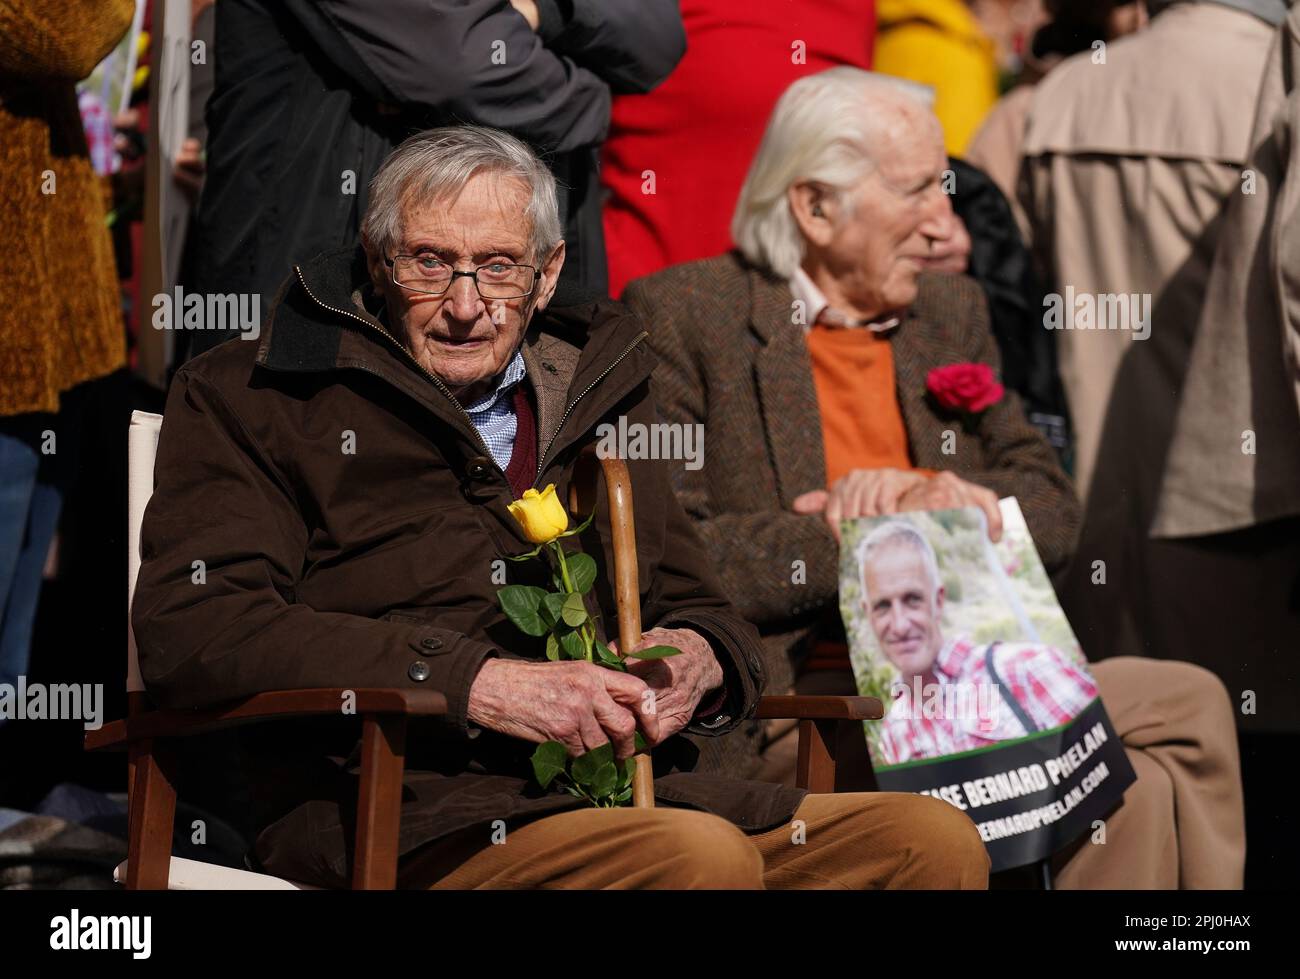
<point x="312" y="96"/>
<point x="325" y="568"/>
<point x="1001" y="264"/>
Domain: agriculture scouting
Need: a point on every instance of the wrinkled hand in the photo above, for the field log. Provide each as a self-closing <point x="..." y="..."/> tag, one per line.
<point x="529" y="10"/>
<point x="944" y="491"/>
<point x="860" y="493"/>
<point x="579" y="704"/>
<point x="679" y="682"/>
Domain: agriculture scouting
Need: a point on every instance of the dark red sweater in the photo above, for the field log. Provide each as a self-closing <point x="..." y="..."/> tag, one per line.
<point x="523" y="458"/>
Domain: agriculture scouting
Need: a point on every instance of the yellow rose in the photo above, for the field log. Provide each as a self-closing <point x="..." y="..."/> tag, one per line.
<point x="540" y="515"/>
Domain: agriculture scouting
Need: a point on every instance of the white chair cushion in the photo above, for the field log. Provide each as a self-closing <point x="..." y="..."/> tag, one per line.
<point x="193" y="875"/>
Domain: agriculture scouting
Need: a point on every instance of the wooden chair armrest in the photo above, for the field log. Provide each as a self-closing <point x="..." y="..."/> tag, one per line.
<point x="276" y="704"/>
<point x="821" y="708"/>
<point x="819" y="719"/>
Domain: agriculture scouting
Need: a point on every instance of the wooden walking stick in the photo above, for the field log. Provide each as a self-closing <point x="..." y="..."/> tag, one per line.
<point x="627" y="590"/>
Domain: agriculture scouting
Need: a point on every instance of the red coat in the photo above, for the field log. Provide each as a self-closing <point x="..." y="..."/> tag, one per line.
<point x="699" y="130"/>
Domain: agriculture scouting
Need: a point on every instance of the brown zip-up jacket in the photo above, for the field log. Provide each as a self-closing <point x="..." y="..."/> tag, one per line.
<point x="348" y="516"/>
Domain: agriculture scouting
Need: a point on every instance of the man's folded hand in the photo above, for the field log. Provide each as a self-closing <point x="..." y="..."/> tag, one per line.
<point x="860" y="493"/>
<point x="579" y="704"/>
<point x="946" y="491"/>
<point x="679" y="682"/>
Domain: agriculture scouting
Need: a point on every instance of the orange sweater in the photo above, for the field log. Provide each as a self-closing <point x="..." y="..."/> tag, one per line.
<point x="862" y="426"/>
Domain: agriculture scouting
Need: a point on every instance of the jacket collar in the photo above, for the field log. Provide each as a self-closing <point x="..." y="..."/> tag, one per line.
<point x="783" y="372"/>
<point x="784" y="375"/>
<point x="818" y="309"/>
<point x="586" y="354"/>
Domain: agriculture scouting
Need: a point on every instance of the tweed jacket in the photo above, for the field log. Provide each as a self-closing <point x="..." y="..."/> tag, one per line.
<point x="731" y="358"/>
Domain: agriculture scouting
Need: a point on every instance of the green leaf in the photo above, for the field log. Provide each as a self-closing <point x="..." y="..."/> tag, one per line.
<point x="641" y="744"/>
<point x="581" y="527"/>
<point x="571" y="643"/>
<point x="552" y="607"/>
<point x="552" y="647"/>
<point x="586" y="766"/>
<point x="607" y="656"/>
<point x="656" y="652"/>
<point x="582" y="572"/>
<point x="606" y="780"/>
<point x="520" y="603"/>
<point x="524" y="557"/>
<point x="624" y="794"/>
<point x="574" y="612"/>
<point x="629" y="769"/>
<point x="548" y="761"/>
<point x="520" y="598"/>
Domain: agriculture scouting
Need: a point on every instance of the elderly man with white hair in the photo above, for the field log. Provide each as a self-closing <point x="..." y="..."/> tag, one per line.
<point x="345" y="484"/>
<point x="836" y="377"/>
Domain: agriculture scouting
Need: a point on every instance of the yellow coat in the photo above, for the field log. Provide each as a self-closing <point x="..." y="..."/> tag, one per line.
<point x="940" y="43"/>
<point x="60" y="313"/>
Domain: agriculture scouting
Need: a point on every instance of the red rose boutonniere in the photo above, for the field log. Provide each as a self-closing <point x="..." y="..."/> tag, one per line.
<point x="968" y="389"/>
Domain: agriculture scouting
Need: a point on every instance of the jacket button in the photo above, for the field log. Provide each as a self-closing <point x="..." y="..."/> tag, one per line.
<point x="429" y="642"/>
<point x="480" y="467"/>
<point x="418" y="671"/>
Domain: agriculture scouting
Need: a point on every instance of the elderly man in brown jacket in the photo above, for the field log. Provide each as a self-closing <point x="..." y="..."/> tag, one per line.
<point x="804" y="356"/>
<point x="343" y="489"/>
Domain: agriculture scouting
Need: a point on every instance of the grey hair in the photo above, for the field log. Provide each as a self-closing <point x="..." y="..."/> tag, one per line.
<point x="440" y="162"/>
<point x="894" y="533"/>
<point x="817" y="132"/>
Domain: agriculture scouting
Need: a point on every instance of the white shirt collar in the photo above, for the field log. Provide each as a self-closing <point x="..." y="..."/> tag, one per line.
<point x="816" y="307"/>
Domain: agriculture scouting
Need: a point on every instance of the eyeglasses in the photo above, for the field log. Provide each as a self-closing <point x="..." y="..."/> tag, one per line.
<point x="432" y="277"/>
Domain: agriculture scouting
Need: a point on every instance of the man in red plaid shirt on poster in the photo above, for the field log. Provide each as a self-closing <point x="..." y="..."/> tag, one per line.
<point x="954" y="695"/>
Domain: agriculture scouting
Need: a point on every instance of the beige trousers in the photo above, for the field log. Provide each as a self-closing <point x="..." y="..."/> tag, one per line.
<point x="1182" y="823"/>
<point x="850" y="841"/>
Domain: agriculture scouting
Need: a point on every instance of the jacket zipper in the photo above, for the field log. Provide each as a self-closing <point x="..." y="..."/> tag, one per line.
<point x="406" y="353"/>
<point x="541" y="459"/>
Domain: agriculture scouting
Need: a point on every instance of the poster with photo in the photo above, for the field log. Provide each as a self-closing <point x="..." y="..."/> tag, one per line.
<point x="989" y="702"/>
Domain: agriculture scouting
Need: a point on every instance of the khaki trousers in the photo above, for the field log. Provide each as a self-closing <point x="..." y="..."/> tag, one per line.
<point x="850" y="841"/>
<point x="1182" y="823"/>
